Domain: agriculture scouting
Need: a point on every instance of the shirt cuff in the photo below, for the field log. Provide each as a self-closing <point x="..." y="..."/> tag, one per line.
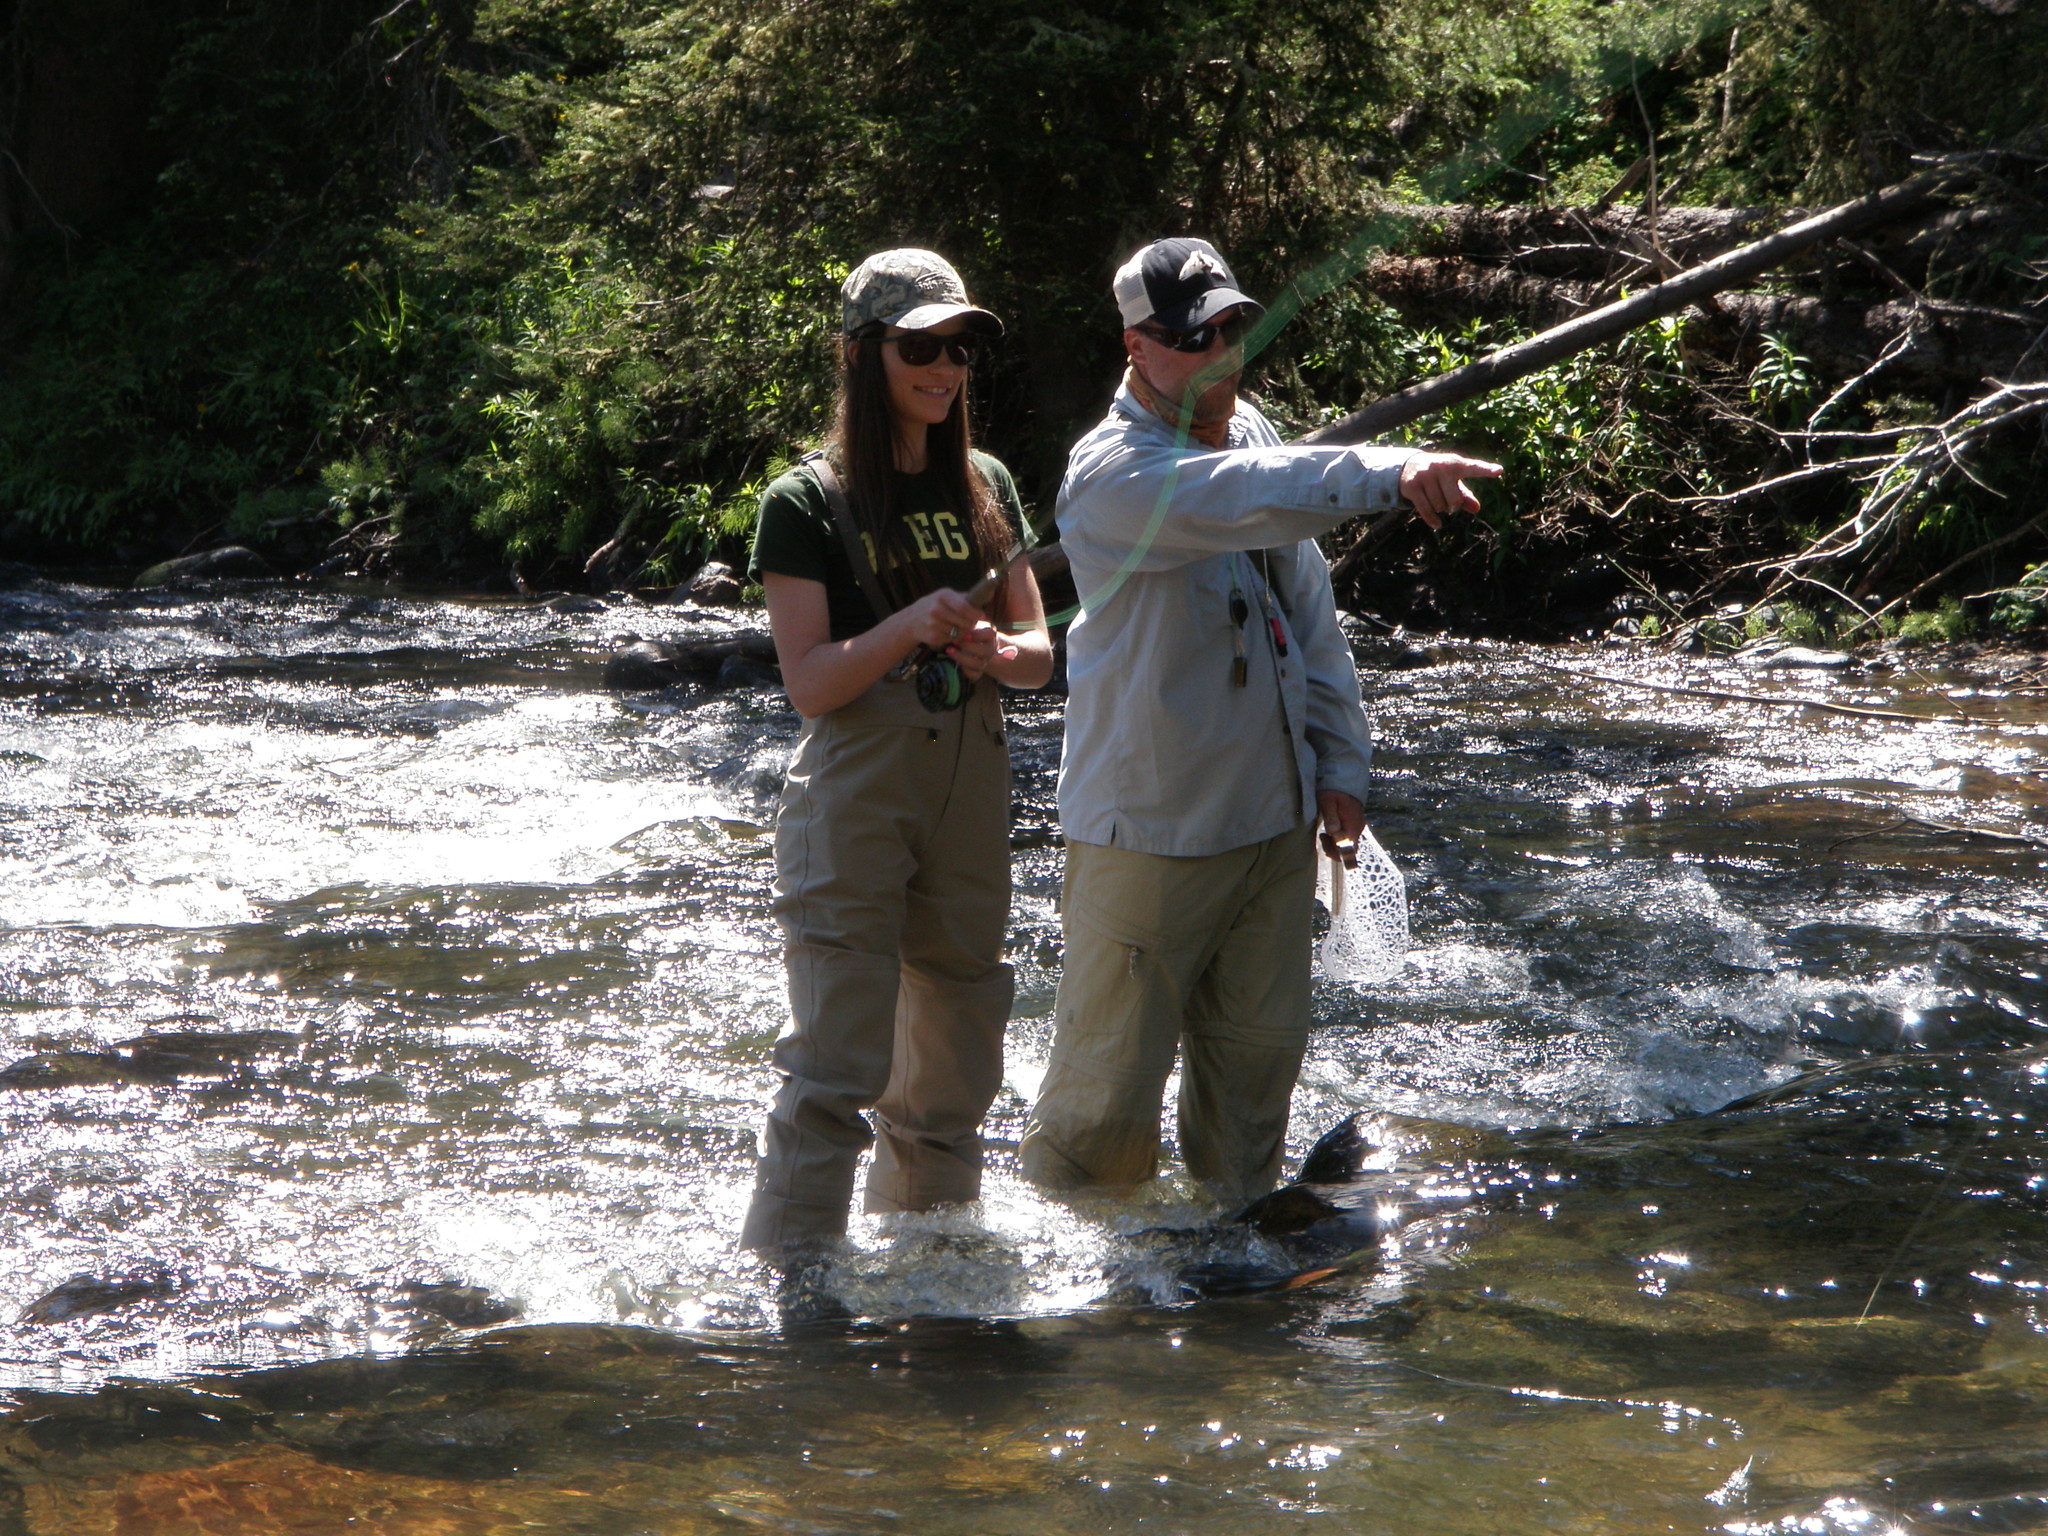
<point x="1382" y="477"/>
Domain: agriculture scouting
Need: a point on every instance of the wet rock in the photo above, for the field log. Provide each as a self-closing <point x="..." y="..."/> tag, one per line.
<point x="231" y="560"/>
<point x="1328" y="1222"/>
<point x="744" y="672"/>
<point x="65" y="1069"/>
<point x="151" y="1058"/>
<point x="1700" y="637"/>
<point x="178" y="1052"/>
<point x="1374" y="647"/>
<point x="647" y="664"/>
<point x="84" y="1295"/>
<point x="466" y="1306"/>
<point x="715" y="586"/>
<point x="1791" y="657"/>
<point x="482" y="1442"/>
<point x="569" y="602"/>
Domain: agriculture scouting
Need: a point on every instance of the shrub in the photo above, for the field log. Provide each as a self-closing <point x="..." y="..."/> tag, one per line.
<point x="1947" y="623"/>
<point x="2024" y="604"/>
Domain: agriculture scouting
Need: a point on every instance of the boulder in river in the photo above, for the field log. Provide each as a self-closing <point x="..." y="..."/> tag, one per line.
<point x="84" y="1295"/>
<point x="230" y="560"/>
<point x="715" y="586"/>
<point x="662" y="663"/>
<point x="1795" y="657"/>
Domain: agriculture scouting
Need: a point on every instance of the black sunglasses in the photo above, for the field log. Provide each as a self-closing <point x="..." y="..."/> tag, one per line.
<point x="922" y="348"/>
<point x="1202" y="337"/>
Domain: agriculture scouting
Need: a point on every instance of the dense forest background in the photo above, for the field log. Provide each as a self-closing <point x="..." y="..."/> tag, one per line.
<point x="539" y="293"/>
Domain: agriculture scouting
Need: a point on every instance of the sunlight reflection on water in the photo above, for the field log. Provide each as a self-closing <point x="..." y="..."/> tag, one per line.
<point x="512" y="937"/>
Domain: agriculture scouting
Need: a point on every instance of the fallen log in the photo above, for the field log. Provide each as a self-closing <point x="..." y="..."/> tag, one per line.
<point x="1597" y="244"/>
<point x="1617" y="319"/>
<point x="1840" y="338"/>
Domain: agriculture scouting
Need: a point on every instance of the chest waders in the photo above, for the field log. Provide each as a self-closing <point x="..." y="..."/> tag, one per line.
<point x="892" y="888"/>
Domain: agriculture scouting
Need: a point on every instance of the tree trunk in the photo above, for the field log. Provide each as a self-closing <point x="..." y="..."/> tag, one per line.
<point x="1841" y="338"/>
<point x="1595" y="245"/>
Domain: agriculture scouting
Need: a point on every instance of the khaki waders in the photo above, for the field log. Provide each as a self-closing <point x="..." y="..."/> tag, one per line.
<point x="892" y="858"/>
<point x="1208" y="956"/>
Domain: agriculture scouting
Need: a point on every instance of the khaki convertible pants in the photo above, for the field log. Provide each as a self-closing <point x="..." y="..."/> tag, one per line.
<point x="892" y="859"/>
<point x="1210" y="955"/>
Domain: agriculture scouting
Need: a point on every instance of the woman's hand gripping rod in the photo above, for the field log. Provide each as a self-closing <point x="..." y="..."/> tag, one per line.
<point x="941" y="685"/>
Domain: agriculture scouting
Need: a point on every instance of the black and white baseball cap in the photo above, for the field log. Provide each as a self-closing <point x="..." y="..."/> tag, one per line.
<point x="1180" y="283"/>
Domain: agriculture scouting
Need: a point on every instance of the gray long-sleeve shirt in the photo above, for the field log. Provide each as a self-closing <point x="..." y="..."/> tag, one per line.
<point x="1164" y="753"/>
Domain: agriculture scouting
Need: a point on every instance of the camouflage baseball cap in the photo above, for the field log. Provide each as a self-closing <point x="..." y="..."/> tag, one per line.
<point x="913" y="289"/>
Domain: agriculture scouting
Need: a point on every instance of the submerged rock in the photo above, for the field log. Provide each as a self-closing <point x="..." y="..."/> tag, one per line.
<point x="228" y="561"/>
<point x="746" y="672"/>
<point x="84" y="1294"/>
<point x="466" y="1306"/>
<point x="65" y="1069"/>
<point x="151" y="1058"/>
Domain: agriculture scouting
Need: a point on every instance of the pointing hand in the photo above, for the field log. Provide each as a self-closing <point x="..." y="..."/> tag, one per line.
<point x="1434" y="484"/>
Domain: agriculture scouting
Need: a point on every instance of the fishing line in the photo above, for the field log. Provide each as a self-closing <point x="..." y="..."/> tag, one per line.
<point x="1611" y="60"/>
<point x="1950" y="1177"/>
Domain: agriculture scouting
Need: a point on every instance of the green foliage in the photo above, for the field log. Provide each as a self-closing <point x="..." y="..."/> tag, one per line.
<point x="1801" y="626"/>
<point x="1576" y="440"/>
<point x="1945" y="624"/>
<point x="1819" y="99"/>
<point x="2024" y="604"/>
<point x="1781" y="378"/>
<point x="533" y="281"/>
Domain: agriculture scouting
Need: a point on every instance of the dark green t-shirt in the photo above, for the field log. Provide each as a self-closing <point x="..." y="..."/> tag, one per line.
<point x="797" y="537"/>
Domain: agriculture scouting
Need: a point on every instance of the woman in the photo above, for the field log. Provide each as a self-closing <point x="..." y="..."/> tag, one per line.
<point x="892" y="843"/>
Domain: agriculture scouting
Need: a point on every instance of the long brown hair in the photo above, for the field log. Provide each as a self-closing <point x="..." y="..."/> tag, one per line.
<point x="863" y="443"/>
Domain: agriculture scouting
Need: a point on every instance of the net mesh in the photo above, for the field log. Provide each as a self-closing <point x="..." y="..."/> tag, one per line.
<point x="1368" y="937"/>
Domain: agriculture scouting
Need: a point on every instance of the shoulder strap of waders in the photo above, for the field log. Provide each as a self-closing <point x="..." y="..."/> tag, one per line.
<point x="849" y="534"/>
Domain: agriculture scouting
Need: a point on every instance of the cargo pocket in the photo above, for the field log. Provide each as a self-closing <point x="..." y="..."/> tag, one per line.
<point x="1120" y="998"/>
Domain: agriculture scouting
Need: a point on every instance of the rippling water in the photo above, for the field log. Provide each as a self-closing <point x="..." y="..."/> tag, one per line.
<point x="384" y="1012"/>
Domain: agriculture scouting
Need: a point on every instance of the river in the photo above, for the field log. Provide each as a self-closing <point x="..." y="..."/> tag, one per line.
<point x="384" y="1015"/>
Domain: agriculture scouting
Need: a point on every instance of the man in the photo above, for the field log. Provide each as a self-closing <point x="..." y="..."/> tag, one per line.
<point x="1214" y="718"/>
